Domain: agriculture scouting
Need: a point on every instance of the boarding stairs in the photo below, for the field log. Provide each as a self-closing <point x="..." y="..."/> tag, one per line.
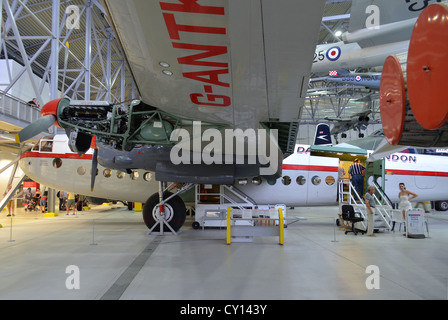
<point x="347" y="194"/>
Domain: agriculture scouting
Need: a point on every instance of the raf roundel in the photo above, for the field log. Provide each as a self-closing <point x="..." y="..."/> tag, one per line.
<point x="333" y="53"/>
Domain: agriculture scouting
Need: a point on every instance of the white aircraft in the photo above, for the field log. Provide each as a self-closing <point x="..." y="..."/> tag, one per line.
<point x="377" y="29"/>
<point x="231" y="65"/>
<point x="310" y="176"/>
<point x="234" y="65"/>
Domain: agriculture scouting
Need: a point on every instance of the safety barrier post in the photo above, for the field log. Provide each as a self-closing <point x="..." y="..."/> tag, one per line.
<point x="281" y="226"/>
<point x="228" y="226"/>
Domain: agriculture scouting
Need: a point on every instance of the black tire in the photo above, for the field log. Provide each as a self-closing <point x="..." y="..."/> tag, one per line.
<point x="196" y="225"/>
<point x="175" y="209"/>
<point x="441" y="205"/>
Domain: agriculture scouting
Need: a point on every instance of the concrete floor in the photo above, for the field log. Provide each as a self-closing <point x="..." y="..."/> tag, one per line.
<point x="115" y="258"/>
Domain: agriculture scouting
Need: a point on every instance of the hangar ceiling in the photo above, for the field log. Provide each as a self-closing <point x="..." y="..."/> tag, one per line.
<point x="93" y="66"/>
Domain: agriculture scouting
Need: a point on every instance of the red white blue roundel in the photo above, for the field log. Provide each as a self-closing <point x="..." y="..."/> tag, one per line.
<point x="358" y="78"/>
<point x="333" y="53"/>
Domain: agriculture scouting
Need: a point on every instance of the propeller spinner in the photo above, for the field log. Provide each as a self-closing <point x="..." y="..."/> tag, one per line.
<point x="49" y="117"/>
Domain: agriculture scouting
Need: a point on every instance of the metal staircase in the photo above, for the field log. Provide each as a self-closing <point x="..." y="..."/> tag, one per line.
<point x="287" y="135"/>
<point x="347" y="194"/>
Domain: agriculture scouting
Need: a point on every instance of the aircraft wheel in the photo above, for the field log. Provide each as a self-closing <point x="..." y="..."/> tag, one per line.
<point x="441" y="205"/>
<point x="175" y="212"/>
<point x="196" y="225"/>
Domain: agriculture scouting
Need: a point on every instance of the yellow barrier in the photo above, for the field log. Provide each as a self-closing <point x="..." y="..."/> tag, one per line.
<point x="281" y="226"/>
<point x="228" y="226"/>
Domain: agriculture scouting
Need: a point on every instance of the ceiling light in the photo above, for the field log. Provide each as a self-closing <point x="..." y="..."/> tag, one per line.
<point x="164" y="64"/>
<point x="167" y="72"/>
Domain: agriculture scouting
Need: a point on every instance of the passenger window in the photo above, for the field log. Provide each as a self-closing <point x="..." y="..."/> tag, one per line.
<point x="301" y="180"/>
<point x="271" y="182"/>
<point x="134" y="175"/>
<point x="329" y="180"/>
<point x="81" y="171"/>
<point x="57" y="162"/>
<point x="147" y="176"/>
<point x="107" y="173"/>
<point x="120" y="174"/>
<point x="257" y="180"/>
<point x="315" y="180"/>
<point x="286" y="180"/>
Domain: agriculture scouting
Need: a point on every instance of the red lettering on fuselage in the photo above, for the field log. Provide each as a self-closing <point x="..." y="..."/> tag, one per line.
<point x="209" y="77"/>
<point x="209" y="51"/>
<point x="174" y="28"/>
<point x="191" y="6"/>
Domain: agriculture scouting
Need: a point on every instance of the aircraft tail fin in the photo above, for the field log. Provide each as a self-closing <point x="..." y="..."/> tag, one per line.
<point x="322" y="135"/>
<point x="374" y="13"/>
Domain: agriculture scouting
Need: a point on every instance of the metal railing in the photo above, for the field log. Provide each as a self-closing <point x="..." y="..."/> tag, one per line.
<point x="18" y="109"/>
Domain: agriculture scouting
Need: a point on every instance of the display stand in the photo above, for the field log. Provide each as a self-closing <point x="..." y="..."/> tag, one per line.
<point x="414" y="224"/>
<point x="263" y="223"/>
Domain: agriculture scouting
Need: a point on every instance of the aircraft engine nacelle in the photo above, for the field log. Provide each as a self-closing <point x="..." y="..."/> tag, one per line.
<point x="414" y="110"/>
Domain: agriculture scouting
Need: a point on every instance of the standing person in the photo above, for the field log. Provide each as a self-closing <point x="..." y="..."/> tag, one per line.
<point x="71" y="202"/>
<point x="10" y="203"/>
<point x="43" y="202"/>
<point x="370" y="204"/>
<point x="357" y="172"/>
<point x="405" y="197"/>
<point x="61" y="196"/>
<point x="341" y="172"/>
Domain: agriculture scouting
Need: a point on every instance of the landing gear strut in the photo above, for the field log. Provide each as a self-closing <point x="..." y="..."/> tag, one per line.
<point x="165" y="210"/>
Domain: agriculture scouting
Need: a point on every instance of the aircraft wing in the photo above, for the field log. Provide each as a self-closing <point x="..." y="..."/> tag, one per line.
<point x="229" y="61"/>
<point x="385" y="149"/>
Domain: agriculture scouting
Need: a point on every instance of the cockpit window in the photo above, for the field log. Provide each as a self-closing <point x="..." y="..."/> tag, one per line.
<point x="44" y="145"/>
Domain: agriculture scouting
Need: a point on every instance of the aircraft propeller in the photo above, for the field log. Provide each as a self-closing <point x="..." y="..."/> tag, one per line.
<point x="94" y="164"/>
<point x="35" y="128"/>
<point x="49" y="118"/>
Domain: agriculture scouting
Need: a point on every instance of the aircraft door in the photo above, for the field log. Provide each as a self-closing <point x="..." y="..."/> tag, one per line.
<point x="425" y="181"/>
<point x="375" y="173"/>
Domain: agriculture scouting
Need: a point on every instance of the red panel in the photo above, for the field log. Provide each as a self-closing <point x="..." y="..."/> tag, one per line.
<point x="392" y="100"/>
<point x="428" y="66"/>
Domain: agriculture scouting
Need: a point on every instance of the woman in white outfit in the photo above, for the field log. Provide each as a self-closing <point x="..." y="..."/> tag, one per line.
<point x="405" y="199"/>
